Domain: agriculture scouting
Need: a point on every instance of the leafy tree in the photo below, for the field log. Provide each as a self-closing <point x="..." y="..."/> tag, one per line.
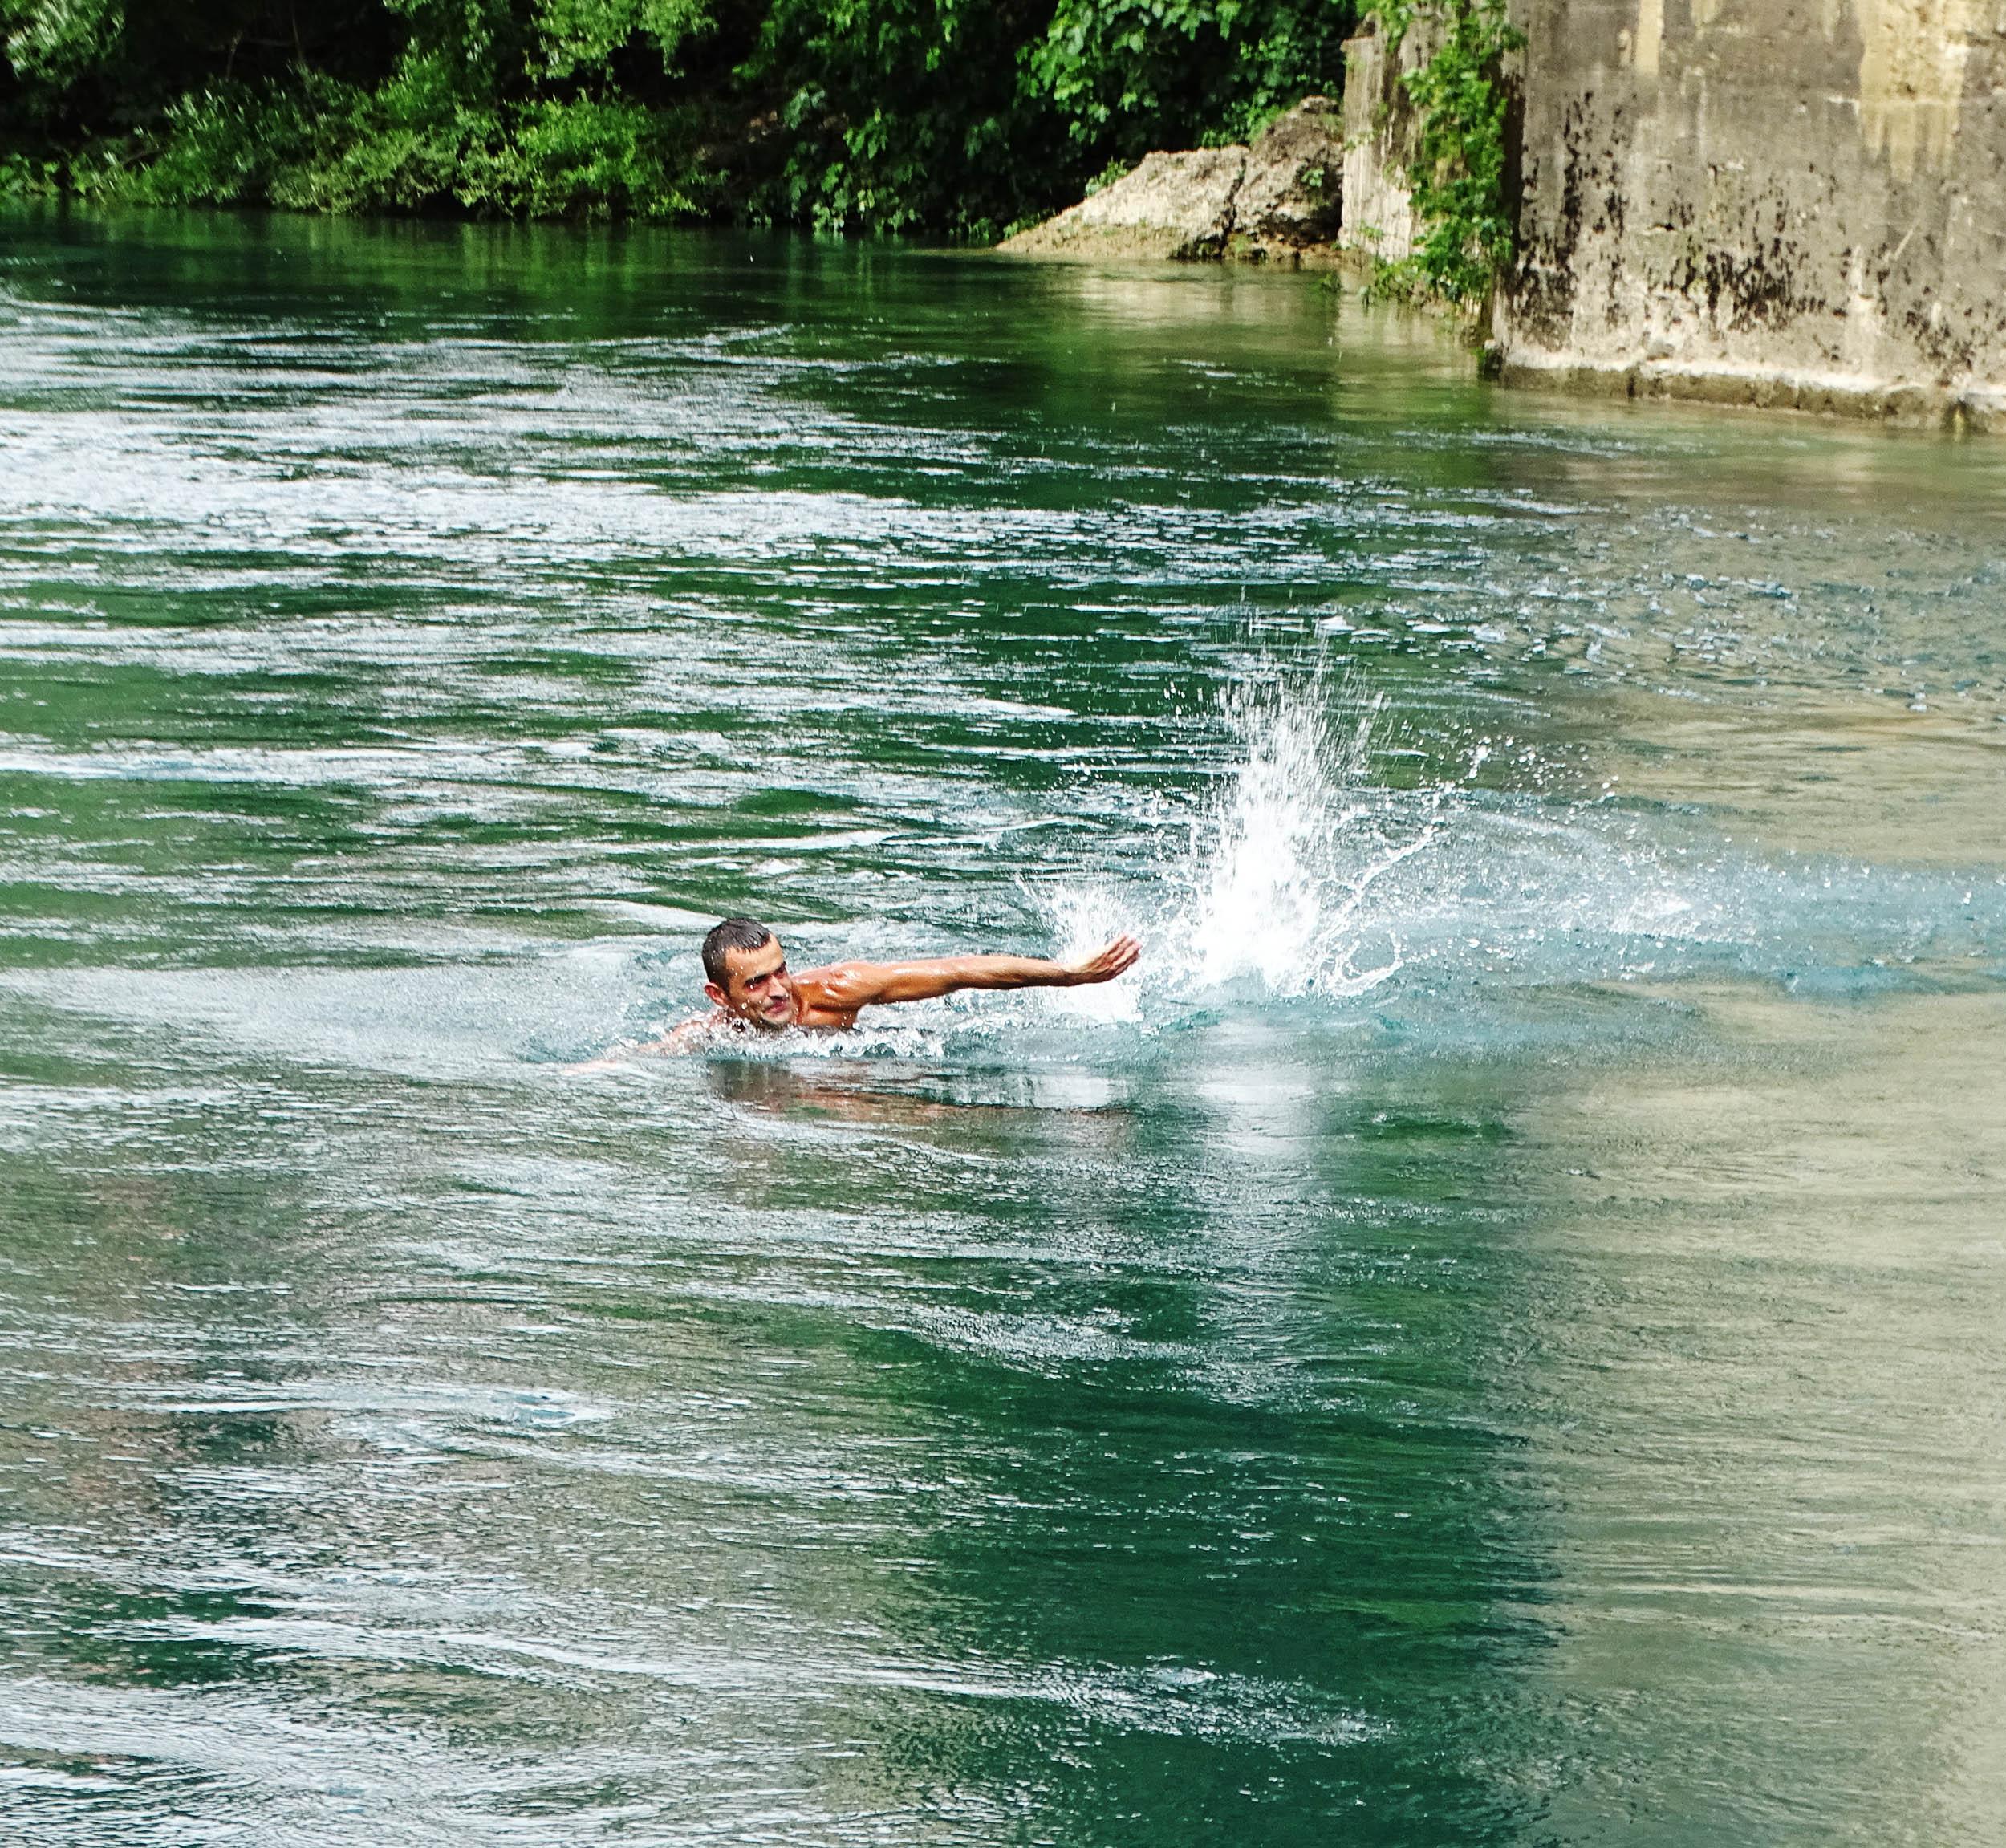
<point x="954" y="116"/>
<point x="1132" y="76"/>
<point x="904" y="115"/>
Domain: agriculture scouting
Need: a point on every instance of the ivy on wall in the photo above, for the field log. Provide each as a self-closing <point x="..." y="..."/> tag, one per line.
<point x="1457" y="175"/>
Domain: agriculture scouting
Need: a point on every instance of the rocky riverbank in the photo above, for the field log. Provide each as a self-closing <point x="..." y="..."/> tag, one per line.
<point x="1322" y="185"/>
<point x="1280" y="199"/>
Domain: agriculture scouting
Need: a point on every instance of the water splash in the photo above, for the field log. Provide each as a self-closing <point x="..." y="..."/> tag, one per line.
<point x="1280" y="864"/>
<point x="1305" y="875"/>
<point x="1270" y="889"/>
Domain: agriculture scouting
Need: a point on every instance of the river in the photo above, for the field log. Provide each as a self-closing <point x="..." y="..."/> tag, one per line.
<point x="1491" y="1336"/>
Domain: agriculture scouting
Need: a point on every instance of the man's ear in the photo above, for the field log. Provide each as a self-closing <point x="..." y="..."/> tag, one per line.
<point x="718" y="998"/>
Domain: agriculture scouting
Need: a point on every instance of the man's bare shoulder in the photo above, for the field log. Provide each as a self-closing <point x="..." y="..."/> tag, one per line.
<point x="831" y="995"/>
<point x="698" y="1031"/>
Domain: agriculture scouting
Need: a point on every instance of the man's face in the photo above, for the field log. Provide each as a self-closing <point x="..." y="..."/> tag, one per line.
<point x="757" y="986"/>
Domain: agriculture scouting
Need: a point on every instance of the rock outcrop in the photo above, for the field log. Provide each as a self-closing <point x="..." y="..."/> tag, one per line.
<point x="1280" y="199"/>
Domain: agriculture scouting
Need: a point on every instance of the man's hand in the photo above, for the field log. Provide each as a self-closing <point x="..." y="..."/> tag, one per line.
<point x="1105" y="963"/>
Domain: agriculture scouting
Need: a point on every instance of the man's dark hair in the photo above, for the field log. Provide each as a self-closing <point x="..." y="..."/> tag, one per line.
<point x="733" y="933"/>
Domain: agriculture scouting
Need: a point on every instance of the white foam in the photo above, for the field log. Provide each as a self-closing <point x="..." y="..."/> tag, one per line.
<point x="1271" y="886"/>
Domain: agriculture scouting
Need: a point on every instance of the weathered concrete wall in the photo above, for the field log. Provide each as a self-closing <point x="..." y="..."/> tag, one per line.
<point x="1796" y="202"/>
<point x="1378" y="220"/>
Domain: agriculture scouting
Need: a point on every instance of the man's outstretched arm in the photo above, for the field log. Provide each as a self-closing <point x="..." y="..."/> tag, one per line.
<point x="844" y="987"/>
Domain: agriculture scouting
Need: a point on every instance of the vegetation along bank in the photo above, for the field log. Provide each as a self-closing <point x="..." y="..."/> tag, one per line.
<point x="947" y="118"/>
<point x="1728" y="203"/>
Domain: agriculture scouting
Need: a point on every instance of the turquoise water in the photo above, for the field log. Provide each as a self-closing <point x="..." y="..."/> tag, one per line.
<point x="1493" y="1336"/>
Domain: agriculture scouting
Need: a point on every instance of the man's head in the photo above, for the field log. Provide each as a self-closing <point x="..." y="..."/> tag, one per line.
<point x="746" y="972"/>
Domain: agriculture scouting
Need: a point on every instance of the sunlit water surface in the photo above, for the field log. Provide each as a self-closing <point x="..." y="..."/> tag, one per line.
<point x="1493" y="1336"/>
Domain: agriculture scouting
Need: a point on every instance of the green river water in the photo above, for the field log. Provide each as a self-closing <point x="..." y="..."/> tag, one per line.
<point x="1496" y="1333"/>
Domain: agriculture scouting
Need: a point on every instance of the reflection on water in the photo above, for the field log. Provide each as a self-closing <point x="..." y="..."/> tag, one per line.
<point x="1489" y="1337"/>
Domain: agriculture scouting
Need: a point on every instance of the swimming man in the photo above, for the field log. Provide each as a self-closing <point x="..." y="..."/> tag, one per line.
<point x="750" y="986"/>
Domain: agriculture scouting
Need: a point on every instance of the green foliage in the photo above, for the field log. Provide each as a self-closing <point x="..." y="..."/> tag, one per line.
<point x="584" y="35"/>
<point x="954" y="116"/>
<point x="52" y="42"/>
<point x="1457" y="178"/>
<point x="897" y="116"/>
<point x="516" y="107"/>
<point x="1107" y="176"/>
<point x="326" y="147"/>
<point x="1130" y="76"/>
<point x="969" y="117"/>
